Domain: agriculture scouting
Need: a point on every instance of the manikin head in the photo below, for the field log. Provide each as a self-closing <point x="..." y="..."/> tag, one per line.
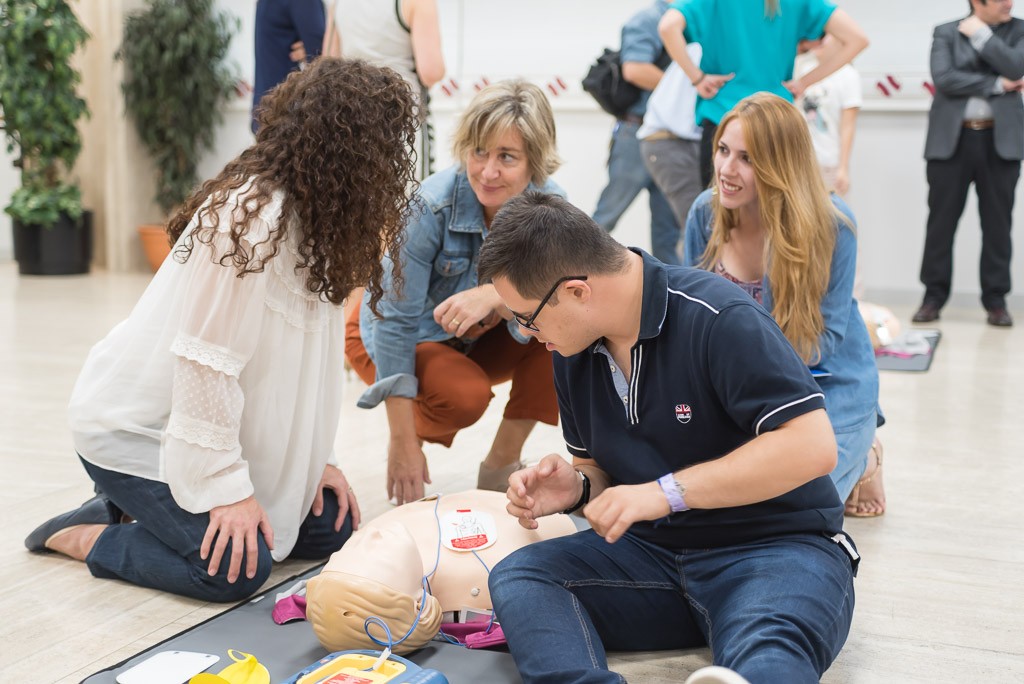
<point x="378" y="572"/>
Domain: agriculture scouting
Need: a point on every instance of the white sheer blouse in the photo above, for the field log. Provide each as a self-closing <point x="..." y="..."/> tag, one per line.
<point x="220" y="386"/>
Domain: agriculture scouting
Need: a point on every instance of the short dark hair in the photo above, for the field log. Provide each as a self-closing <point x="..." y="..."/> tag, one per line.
<point x="536" y="238"/>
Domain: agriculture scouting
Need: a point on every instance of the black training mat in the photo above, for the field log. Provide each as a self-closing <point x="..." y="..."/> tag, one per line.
<point x="287" y="649"/>
<point x="917" y="363"/>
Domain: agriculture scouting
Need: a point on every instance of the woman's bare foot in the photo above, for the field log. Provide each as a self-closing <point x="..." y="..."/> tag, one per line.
<point x="867" y="500"/>
<point x="75" y="541"/>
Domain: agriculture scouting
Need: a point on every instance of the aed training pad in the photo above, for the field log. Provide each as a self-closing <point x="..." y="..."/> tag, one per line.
<point x="289" y="648"/>
<point x="918" y="362"/>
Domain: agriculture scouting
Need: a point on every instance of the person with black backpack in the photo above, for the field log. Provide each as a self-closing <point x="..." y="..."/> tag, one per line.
<point x="621" y="83"/>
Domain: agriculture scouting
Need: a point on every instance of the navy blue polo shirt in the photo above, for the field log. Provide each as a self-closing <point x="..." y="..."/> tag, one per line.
<point x="710" y="371"/>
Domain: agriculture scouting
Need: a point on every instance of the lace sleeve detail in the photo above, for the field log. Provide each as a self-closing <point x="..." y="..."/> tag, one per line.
<point x="201" y="454"/>
<point x="206" y="406"/>
<point x="206" y="354"/>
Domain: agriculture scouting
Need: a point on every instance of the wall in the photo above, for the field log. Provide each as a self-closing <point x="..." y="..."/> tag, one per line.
<point x="8" y="182"/>
<point x="544" y="41"/>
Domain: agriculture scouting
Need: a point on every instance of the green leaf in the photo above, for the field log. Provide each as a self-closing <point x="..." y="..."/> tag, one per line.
<point x="174" y="87"/>
<point x="40" y="104"/>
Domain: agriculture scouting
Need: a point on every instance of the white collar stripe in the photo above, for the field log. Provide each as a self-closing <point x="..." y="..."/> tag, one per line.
<point x="757" y="430"/>
<point x="694" y="299"/>
<point x="634" y="385"/>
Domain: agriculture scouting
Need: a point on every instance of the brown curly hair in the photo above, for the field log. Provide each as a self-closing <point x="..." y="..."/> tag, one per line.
<point x="337" y="138"/>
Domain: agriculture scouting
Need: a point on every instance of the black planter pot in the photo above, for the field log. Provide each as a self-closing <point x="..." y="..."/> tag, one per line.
<point x="64" y="249"/>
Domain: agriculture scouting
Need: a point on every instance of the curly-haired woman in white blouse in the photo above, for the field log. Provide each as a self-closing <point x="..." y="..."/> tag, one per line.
<point x="208" y="417"/>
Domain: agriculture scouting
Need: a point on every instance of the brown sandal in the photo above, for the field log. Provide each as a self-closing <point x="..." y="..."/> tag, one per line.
<point x="854" y="500"/>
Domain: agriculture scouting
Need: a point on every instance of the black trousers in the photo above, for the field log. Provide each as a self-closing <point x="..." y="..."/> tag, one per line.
<point x="995" y="180"/>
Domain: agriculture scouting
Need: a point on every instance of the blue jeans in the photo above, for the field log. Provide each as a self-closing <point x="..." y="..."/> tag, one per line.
<point x="777" y="610"/>
<point x="161" y="549"/>
<point x="627" y="176"/>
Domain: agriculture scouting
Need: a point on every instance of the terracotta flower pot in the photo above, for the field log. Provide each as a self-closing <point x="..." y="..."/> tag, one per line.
<point x="155" y="243"/>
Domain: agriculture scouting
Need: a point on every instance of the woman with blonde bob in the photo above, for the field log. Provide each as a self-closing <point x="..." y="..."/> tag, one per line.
<point x="769" y="225"/>
<point x="443" y="340"/>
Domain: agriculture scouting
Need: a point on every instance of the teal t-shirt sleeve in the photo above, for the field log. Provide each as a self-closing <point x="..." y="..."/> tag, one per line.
<point x="698" y="14"/>
<point x="817" y="14"/>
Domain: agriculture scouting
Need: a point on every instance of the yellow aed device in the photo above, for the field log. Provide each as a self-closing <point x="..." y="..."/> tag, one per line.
<point x="354" y="667"/>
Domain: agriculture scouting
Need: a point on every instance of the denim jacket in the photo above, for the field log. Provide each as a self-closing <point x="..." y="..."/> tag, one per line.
<point x="847" y="372"/>
<point x="439" y="257"/>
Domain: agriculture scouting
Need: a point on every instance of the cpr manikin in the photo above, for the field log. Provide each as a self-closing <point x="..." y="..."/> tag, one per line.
<point x="883" y="326"/>
<point x="379" y="571"/>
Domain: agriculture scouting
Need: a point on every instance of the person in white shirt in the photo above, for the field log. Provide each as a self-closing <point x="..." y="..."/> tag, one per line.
<point x="404" y="35"/>
<point x="208" y="417"/>
<point x="831" y="107"/>
<point x="670" y="137"/>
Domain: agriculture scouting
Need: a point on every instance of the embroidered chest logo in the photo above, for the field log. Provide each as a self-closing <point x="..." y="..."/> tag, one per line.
<point x="683" y="413"/>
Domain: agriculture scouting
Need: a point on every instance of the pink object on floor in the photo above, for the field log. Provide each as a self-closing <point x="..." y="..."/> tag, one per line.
<point x="290" y="609"/>
<point x="474" y="634"/>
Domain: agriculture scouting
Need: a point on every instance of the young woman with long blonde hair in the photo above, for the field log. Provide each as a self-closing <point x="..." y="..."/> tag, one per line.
<point x="769" y="225"/>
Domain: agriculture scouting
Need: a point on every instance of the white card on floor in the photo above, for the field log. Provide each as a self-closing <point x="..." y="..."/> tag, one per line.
<point x="168" y="667"/>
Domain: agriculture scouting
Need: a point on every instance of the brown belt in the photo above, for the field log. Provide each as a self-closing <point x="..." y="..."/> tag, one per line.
<point x="632" y="118"/>
<point x="979" y="124"/>
<point x="661" y="135"/>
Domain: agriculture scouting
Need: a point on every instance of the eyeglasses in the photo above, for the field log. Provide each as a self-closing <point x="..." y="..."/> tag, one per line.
<point x="527" y="322"/>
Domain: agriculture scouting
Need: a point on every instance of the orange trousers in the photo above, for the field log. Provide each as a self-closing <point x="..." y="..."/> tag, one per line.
<point x="455" y="388"/>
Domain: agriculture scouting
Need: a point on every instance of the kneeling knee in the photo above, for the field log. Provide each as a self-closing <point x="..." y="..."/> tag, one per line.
<point x="220" y="589"/>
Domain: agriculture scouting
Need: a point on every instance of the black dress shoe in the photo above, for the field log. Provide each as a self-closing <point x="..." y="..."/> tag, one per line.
<point x="93" y="512"/>
<point x="1000" y="318"/>
<point x="928" y="312"/>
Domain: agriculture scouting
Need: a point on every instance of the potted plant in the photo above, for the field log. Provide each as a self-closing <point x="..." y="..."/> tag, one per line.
<point x="174" y="86"/>
<point x="41" y="109"/>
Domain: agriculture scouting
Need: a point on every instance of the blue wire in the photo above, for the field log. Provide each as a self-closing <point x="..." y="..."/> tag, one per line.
<point x="374" y="620"/>
<point x="490" y="624"/>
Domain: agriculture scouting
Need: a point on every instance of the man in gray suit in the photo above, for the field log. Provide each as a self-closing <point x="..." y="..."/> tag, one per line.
<point x="975" y="135"/>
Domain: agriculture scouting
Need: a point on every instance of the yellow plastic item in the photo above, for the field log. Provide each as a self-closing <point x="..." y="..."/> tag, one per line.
<point x="355" y="665"/>
<point x="245" y="670"/>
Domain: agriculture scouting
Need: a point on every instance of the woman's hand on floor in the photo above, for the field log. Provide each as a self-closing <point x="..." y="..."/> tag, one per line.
<point x="407" y="470"/>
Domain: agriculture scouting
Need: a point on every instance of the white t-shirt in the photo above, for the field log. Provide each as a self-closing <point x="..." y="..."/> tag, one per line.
<point x="220" y="386"/>
<point x="374" y="30"/>
<point x="672" y="104"/>
<point x="823" y="103"/>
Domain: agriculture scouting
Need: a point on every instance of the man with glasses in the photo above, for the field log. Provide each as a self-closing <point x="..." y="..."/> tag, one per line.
<point x="700" y="456"/>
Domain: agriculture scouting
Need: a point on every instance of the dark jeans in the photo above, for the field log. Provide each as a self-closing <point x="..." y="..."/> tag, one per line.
<point x="995" y="179"/>
<point x="778" y="610"/>
<point x="161" y="549"/>
<point x="627" y="176"/>
<point x="707" y="154"/>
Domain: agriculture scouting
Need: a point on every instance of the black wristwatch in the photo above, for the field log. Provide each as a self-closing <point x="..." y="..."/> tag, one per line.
<point x="584" y="497"/>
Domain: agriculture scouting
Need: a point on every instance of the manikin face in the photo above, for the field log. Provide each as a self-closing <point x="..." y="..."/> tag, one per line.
<point x="994" y="11"/>
<point x="499" y="173"/>
<point x="556" y="328"/>
<point x="737" y="187"/>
